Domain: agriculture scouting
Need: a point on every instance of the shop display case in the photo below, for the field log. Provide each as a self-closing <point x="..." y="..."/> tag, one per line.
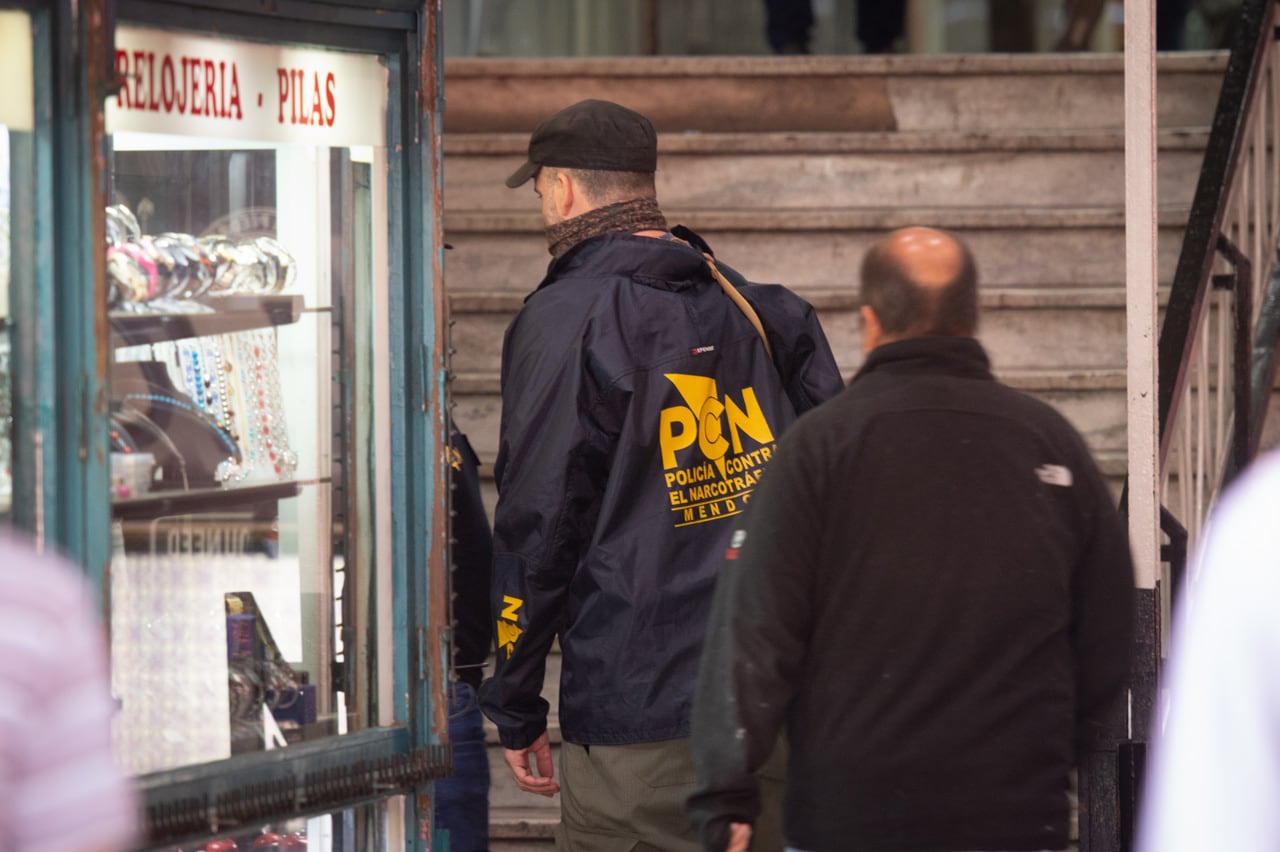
<point x="241" y="256"/>
<point x="222" y="396"/>
<point x="222" y="384"/>
<point x="262" y="292"/>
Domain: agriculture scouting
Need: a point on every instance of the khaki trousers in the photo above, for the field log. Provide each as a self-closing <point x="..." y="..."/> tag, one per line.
<point x="631" y="798"/>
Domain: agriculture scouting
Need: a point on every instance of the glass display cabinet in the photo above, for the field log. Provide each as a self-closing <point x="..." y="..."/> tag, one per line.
<point x="222" y="373"/>
<point x="273" y="409"/>
<point x="241" y="259"/>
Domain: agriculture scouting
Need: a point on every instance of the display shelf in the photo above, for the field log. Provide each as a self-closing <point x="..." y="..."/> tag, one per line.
<point x="166" y="503"/>
<point x="231" y="314"/>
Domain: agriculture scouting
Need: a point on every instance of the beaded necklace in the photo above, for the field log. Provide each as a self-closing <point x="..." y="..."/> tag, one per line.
<point x="229" y="444"/>
<point x="267" y="440"/>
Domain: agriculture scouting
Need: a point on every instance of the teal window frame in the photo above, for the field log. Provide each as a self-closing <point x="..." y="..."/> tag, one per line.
<point x="33" y="286"/>
<point x="363" y="766"/>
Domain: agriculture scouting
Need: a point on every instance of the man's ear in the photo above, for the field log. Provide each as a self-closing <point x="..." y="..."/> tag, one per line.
<point x="564" y="194"/>
<point x="871" y="329"/>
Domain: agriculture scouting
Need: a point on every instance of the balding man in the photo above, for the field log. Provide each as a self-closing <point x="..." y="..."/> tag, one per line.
<point x="931" y="591"/>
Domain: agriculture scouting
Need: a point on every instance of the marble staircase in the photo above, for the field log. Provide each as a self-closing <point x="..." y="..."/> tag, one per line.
<point x="792" y="167"/>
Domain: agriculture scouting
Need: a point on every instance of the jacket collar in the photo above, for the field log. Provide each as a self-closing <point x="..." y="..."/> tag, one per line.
<point x="663" y="263"/>
<point x="962" y="357"/>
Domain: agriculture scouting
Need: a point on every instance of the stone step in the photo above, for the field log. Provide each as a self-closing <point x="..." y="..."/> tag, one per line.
<point x="786" y="171"/>
<point x="1099" y="412"/>
<point x="507" y="303"/>
<point x="807" y="249"/>
<point x="831" y="93"/>
<point x="1092" y="400"/>
<point x="1030" y="329"/>
<point x="467" y="387"/>
<point x="477" y="399"/>
<point x="522" y="829"/>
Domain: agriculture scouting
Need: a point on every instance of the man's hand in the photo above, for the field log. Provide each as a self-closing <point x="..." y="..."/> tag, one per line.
<point x="543" y="783"/>
<point x="739" y="837"/>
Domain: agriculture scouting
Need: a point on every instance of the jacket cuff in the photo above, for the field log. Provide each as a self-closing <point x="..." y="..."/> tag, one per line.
<point x="521" y="736"/>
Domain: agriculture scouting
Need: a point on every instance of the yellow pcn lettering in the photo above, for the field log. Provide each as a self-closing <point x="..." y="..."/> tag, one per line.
<point x="751" y="420"/>
<point x="672" y="441"/>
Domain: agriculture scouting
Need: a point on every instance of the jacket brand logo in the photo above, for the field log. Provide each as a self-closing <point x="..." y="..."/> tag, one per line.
<point x="717" y="481"/>
<point x="1055" y="474"/>
<point x="508" y="632"/>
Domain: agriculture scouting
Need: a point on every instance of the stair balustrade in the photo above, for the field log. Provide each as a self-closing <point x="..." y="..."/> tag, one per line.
<point x="1217" y="343"/>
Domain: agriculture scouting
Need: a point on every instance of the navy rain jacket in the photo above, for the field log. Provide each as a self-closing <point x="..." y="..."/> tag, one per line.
<point x="639" y="410"/>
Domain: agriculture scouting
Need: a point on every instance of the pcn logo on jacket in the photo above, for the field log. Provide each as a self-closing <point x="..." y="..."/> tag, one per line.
<point x="713" y="449"/>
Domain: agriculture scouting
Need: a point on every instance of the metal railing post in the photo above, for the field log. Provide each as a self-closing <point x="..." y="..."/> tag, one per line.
<point x="1241" y="284"/>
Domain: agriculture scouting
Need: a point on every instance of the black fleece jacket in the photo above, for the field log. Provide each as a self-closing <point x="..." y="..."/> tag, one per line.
<point x="933" y="591"/>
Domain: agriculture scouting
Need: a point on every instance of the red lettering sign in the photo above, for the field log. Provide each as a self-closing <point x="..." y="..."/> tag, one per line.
<point x="282" y="84"/>
<point x="122" y="73"/>
<point x="167" y="84"/>
<point x="152" y="83"/>
<point x="311" y="97"/>
<point x="202" y="86"/>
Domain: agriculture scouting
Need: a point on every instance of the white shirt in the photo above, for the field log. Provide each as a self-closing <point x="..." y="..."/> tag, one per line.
<point x="1214" y="780"/>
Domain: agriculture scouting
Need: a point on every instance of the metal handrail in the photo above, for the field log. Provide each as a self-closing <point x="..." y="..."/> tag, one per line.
<point x="1211" y="357"/>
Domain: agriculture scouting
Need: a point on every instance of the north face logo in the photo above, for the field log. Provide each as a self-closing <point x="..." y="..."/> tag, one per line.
<point x="1055" y="474"/>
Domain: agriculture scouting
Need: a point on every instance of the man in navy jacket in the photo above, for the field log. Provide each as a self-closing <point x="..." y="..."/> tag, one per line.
<point x="641" y="405"/>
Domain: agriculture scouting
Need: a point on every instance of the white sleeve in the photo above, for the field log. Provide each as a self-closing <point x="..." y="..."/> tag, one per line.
<point x="1214" y="780"/>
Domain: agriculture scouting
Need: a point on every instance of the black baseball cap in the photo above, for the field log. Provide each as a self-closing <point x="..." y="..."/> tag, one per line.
<point x="591" y="134"/>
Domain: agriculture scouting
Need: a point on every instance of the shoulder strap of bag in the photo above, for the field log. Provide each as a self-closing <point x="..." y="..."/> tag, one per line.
<point x="741" y="301"/>
<point x="733" y="294"/>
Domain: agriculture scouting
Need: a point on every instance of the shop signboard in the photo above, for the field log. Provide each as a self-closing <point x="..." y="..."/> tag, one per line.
<point x="214" y="88"/>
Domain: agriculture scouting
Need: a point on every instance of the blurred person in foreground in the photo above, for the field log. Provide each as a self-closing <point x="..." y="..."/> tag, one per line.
<point x="932" y="592"/>
<point x="60" y="788"/>
<point x="1214" y="777"/>
<point x="643" y="392"/>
